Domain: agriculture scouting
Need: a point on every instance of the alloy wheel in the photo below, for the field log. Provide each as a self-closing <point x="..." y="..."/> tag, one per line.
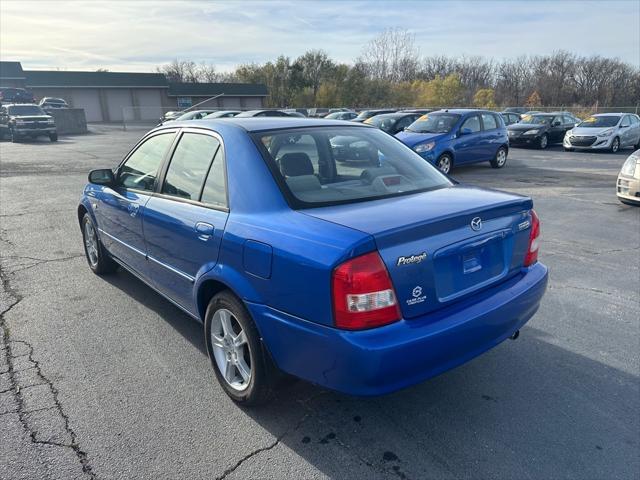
<point x="615" y="145"/>
<point x="231" y="349"/>
<point x="91" y="243"/>
<point x="501" y="158"/>
<point x="543" y="142"/>
<point x="444" y="164"/>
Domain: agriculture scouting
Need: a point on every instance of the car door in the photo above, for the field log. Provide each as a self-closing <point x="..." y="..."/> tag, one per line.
<point x="635" y="129"/>
<point x="627" y="136"/>
<point x="468" y="146"/>
<point x="556" y="129"/>
<point x="4" y="122"/>
<point x="185" y="219"/>
<point x="491" y="136"/>
<point x="120" y="209"/>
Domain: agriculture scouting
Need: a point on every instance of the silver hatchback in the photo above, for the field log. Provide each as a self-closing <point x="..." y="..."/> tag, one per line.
<point x="605" y="131"/>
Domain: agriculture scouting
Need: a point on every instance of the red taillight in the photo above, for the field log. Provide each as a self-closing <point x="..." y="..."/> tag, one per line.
<point x="534" y="241"/>
<point x="363" y="296"/>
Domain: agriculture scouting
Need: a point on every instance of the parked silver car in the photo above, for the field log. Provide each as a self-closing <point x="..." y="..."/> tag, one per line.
<point x="604" y="131"/>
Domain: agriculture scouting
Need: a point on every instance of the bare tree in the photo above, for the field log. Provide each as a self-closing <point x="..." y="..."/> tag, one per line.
<point x="513" y="80"/>
<point x="391" y="56"/>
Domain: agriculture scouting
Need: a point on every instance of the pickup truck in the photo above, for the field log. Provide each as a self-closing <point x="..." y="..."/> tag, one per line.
<point x="18" y="121"/>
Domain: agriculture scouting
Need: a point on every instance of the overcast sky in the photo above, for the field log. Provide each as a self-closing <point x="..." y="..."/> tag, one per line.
<point x="139" y="35"/>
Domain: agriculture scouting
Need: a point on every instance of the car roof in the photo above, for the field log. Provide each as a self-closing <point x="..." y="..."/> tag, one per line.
<point x="21" y="105"/>
<point x="612" y="114"/>
<point x="253" y="124"/>
<point x="463" y="111"/>
<point x="396" y="114"/>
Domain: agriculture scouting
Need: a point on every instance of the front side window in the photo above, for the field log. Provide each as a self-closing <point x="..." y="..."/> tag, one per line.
<point x="626" y="121"/>
<point x="189" y="165"/>
<point x="330" y="165"/>
<point x="141" y="168"/>
<point x="472" y="123"/>
<point x="489" y="121"/>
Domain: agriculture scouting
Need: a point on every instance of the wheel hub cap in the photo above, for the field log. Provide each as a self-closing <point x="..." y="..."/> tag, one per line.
<point x="231" y="349"/>
<point x="91" y="243"/>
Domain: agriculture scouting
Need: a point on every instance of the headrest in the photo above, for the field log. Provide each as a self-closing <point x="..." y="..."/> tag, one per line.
<point x="295" y="164"/>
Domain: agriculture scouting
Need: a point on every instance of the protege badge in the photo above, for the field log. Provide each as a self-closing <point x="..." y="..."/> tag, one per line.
<point x="412" y="259"/>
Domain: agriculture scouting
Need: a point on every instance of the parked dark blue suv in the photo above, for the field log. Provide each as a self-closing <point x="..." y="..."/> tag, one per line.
<point x="456" y="137"/>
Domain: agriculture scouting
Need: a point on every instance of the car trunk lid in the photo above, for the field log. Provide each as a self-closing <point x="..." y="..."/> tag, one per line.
<point x="432" y="252"/>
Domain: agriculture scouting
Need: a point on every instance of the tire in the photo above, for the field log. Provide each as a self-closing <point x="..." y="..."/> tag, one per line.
<point x="97" y="257"/>
<point x="543" y="142"/>
<point x="244" y="370"/>
<point x="615" y="145"/>
<point x="53" y="137"/>
<point x="445" y="163"/>
<point x="13" y="136"/>
<point x="500" y="160"/>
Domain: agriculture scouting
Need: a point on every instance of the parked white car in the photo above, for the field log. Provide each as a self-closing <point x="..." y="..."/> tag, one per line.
<point x="604" y="131"/>
<point x="628" y="185"/>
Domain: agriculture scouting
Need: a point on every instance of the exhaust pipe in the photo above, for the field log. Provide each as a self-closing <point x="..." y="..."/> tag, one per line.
<point x="515" y="335"/>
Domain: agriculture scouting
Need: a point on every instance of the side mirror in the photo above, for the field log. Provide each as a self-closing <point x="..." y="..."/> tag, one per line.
<point x="102" y="176"/>
<point x="465" y="131"/>
<point x="556" y="123"/>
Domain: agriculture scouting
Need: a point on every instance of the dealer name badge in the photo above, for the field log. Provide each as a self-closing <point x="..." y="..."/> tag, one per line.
<point x="416" y="296"/>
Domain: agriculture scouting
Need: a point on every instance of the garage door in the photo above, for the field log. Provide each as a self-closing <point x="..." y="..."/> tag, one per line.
<point x="89" y="100"/>
<point x="117" y="99"/>
<point x="230" y="102"/>
<point x="149" y="104"/>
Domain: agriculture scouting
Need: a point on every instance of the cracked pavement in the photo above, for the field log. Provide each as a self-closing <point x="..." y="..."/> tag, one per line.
<point x="100" y="378"/>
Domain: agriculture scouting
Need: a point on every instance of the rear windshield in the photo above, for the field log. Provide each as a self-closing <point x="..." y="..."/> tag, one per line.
<point x="434" y="123"/>
<point x="331" y="165"/>
<point x="600" y="122"/>
<point x="25" y="110"/>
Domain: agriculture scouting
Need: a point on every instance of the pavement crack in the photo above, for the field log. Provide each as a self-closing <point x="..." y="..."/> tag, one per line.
<point x="272" y="445"/>
<point x="38" y="261"/>
<point x="22" y="410"/>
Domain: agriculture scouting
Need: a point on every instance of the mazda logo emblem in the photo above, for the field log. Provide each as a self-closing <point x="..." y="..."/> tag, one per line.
<point x="476" y="224"/>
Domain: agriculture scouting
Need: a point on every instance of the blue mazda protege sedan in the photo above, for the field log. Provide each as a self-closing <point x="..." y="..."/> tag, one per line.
<point x="364" y="276"/>
<point x="448" y="138"/>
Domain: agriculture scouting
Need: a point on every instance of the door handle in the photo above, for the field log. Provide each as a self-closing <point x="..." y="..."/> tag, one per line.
<point x="204" y="230"/>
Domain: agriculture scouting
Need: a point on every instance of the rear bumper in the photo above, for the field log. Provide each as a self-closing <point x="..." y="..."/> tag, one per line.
<point x="385" y="359"/>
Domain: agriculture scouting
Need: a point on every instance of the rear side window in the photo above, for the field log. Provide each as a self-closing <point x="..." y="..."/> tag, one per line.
<point x="472" y="123"/>
<point x="141" y="168"/>
<point x="189" y="165"/>
<point x="215" y="189"/>
<point x="489" y="121"/>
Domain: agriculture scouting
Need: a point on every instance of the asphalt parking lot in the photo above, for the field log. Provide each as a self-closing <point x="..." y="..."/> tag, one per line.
<point x="102" y="378"/>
